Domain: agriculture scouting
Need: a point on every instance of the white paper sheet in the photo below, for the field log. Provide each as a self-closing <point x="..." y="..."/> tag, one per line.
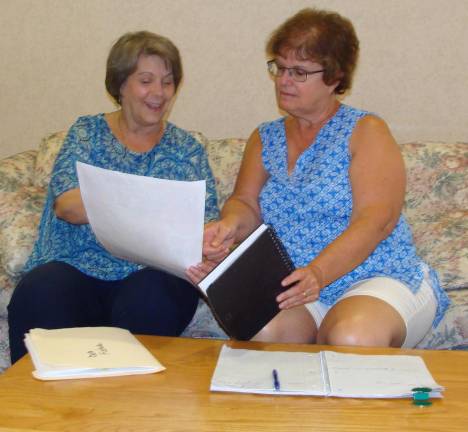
<point x="155" y="222"/>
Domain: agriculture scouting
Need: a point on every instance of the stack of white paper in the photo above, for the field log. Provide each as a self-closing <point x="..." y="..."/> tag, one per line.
<point x="88" y="352"/>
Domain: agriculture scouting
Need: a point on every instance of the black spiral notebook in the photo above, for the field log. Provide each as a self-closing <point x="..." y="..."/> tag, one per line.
<point x="242" y="289"/>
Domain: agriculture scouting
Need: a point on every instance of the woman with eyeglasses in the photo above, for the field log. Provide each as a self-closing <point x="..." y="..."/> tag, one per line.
<point x="330" y="179"/>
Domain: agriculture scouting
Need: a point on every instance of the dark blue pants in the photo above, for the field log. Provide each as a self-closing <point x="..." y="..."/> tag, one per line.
<point x="57" y="295"/>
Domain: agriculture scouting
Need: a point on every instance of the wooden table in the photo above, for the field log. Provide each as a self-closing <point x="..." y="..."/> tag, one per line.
<point x="179" y="399"/>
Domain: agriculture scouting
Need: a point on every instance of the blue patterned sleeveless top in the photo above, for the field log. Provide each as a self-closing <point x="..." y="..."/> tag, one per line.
<point x="312" y="206"/>
<point x="178" y="156"/>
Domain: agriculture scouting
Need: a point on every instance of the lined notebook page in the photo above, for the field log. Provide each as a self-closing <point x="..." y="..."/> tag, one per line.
<point x="353" y="375"/>
<point x="250" y="371"/>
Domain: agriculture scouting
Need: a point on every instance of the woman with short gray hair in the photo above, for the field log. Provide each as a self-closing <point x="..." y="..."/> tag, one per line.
<point x="70" y="280"/>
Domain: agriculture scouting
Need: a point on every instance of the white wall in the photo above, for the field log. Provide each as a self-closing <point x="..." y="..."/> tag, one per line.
<point x="413" y="68"/>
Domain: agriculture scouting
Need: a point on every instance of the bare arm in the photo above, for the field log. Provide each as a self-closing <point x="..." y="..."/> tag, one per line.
<point x="242" y="209"/>
<point x="69" y="207"/>
<point x="241" y="212"/>
<point x="378" y="182"/>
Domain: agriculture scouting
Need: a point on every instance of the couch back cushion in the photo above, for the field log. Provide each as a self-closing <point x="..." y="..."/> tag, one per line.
<point x="20" y="212"/>
<point x="225" y="156"/>
<point x="48" y="149"/>
<point x="17" y="170"/>
<point x="436" y="176"/>
<point x="437" y="206"/>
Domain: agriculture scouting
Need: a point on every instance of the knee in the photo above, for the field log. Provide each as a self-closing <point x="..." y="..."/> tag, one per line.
<point x="352" y="333"/>
<point x="292" y="326"/>
<point x="50" y="294"/>
<point x="32" y="293"/>
<point x="274" y="334"/>
<point x="159" y="305"/>
<point x="269" y="333"/>
<point x="20" y="299"/>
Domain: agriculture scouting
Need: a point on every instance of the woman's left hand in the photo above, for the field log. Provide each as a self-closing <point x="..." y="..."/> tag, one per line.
<point x="306" y="283"/>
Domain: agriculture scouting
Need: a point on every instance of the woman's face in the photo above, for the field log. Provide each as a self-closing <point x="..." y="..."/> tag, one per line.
<point x="147" y="93"/>
<point x="302" y="98"/>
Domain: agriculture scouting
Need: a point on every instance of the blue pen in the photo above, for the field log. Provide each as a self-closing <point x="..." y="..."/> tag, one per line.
<point x="276" y="382"/>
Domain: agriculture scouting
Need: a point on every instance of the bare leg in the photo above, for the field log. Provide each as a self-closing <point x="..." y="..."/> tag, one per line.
<point x="362" y="321"/>
<point x="294" y="325"/>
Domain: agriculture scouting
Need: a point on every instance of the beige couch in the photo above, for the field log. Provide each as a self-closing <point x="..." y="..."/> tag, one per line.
<point x="436" y="207"/>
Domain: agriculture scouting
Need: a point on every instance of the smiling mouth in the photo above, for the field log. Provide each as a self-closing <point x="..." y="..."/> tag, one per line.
<point x="154" y="106"/>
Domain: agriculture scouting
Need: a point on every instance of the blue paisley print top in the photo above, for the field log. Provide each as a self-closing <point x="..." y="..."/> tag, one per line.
<point x="178" y="156"/>
<point x="311" y="207"/>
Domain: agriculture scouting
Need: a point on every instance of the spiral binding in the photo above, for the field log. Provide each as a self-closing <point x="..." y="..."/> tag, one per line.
<point x="281" y="249"/>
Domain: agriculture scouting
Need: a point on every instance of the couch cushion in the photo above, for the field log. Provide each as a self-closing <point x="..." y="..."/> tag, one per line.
<point x="20" y="213"/>
<point x="452" y="331"/>
<point x="17" y="170"/>
<point x="437" y="206"/>
<point x="440" y="239"/>
<point x="48" y="149"/>
<point x="437" y="177"/>
<point x="204" y="324"/>
<point x="225" y="156"/>
<point x="7" y="285"/>
<point x="4" y="346"/>
<point x="202" y="139"/>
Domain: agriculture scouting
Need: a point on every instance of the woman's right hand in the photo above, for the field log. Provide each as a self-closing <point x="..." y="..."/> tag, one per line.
<point x="218" y="238"/>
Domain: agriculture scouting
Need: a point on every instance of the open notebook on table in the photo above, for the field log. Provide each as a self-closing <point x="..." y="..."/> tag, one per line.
<point x="326" y="373"/>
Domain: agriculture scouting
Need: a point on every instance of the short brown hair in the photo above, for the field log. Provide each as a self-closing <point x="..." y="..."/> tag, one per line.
<point x="124" y="54"/>
<point x="322" y="36"/>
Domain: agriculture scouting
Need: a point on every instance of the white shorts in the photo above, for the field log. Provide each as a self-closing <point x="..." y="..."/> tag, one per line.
<point x="417" y="309"/>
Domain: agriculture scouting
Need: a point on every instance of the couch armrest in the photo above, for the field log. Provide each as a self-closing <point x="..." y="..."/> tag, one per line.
<point x="20" y="212"/>
<point x="48" y="150"/>
<point x="17" y="170"/>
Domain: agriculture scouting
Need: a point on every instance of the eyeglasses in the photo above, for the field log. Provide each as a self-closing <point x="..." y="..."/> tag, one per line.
<point x="297" y="74"/>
